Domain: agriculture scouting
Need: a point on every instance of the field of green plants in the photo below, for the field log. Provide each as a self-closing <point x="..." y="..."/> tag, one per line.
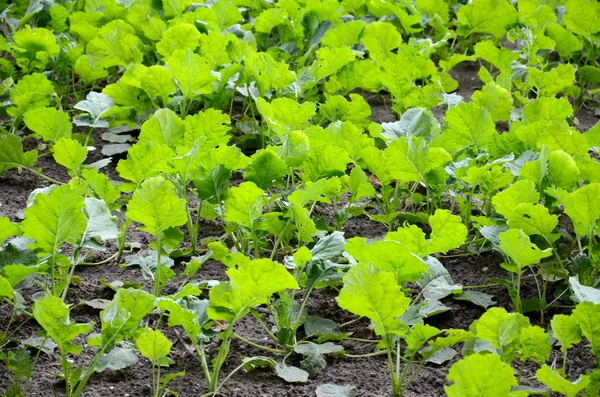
<point x="326" y="198"/>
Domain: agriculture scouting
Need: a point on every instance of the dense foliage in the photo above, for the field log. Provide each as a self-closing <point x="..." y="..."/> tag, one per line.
<point x="254" y="114"/>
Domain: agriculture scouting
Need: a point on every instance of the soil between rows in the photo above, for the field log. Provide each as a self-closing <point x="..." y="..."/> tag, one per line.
<point x="369" y="376"/>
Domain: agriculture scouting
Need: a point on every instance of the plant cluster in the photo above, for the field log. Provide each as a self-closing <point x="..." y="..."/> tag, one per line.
<point x="255" y="115"/>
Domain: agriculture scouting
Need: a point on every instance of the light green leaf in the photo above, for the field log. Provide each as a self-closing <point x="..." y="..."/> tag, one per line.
<point x="410" y="159"/>
<point x="210" y="124"/>
<point x="562" y="170"/>
<point x="471" y="377"/>
<point x="295" y="148"/>
<point x="69" y="153"/>
<point x="55" y="218"/>
<point x="144" y="160"/>
<point x="380" y="38"/>
<point x="582" y="17"/>
<point x="360" y="186"/>
<point x="534" y="219"/>
<point x="587" y="315"/>
<point x="12" y="154"/>
<point x="552" y="82"/>
<point x="468" y="124"/>
<point x="32" y="91"/>
<point x="122" y="317"/>
<point x="314" y="361"/>
<point x="153" y="345"/>
<point x="116" y="359"/>
<point x="496" y="100"/>
<point x="191" y="73"/>
<point x="583" y="206"/>
<point x="523" y="191"/>
<point x="374" y="294"/>
<point x="244" y="204"/>
<point x="547" y="109"/>
<point x="8" y="229"/>
<point x="269" y="19"/>
<point x="165" y="128"/>
<point x="250" y="284"/>
<point x="156" y="206"/>
<point x="517" y="245"/>
<point x="418" y="336"/>
<point x="499" y="327"/>
<point x="534" y="343"/>
<point x="558" y="384"/>
<point x="284" y="114"/>
<point x="51" y="124"/>
<point x="53" y="315"/>
<point x="346" y="34"/>
<point x="266" y="168"/>
<point x="488" y="16"/>
<point x="566" y="329"/>
<point x="183" y="36"/>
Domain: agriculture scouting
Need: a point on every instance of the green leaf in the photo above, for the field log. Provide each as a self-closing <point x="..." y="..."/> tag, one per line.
<point x="582" y="17"/>
<point x="55" y="218"/>
<point x="34" y="48"/>
<point x="583" y="207"/>
<point x="6" y="289"/>
<point x="144" y="160"/>
<point x="325" y="160"/>
<point x="566" y="42"/>
<point x="584" y="293"/>
<point x="314" y="355"/>
<point x="410" y="159"/>
<point x="53" y="315"/>
<point x="476" y="297"/>
<point x="210" y="124"/>
<point x="244" y="204"/>
<point x="51" y="124"/>
<point x="153" y="345"/>
<point x="471" y="377"/>
<point x="158" y="82"/>
<point x="329" y="390"/>
<point x="380" y="39"/>
<point x="291" y="374"/>
<point x="266" y="168"/>
<point x="418" y="336"/>
<point x="587" y="315"/>
<point x="534" y="343"/>
<point x="414" y="122"/>
<point x="122" y="317"/>
<point x="183" y="36"/>
<point x="165" y="128"/>
<point x="562" y="170"/>
<point x="99" y="185"/>
<point x="156" y="206"/>
<point x="558" y="384"/>
<point x="190" y="314"/>
<point x="534" y="219"/>
<point x="101" y="223"/>
<point x="496" y="100"/>
<point x="8" y="229"/>
<point x="346" y="34"/>
<point x="250" y="284"/>
<point x="116" y="359"/>
<point x="566" y="329"/>
<point x="269" y="19"/>
<point x="517" y="245"/>
<point x="488" y="16"/>
<point x="500" y="328"/>
<point x="360" y="186"/>
<point x="468" y="124"/>
<point x="32" y="91"/>
<point x="376" y="295"/>
<point x="12" y="154"/>
<point x="294" y="149"/>
<point x="547" y="109"/>
<point x="552" y="82"/>
<point x="523" y="191"/>
<point x="329" y="61"/>
<point x="499" y="57"/>
<point x="69" y="153"/>
<point x="357" y="110"/>
<point x="284" y="114"/>
<point x="191" y="73"/>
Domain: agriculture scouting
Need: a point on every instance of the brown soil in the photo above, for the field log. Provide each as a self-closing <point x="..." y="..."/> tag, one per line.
<point x="370" y="376"/>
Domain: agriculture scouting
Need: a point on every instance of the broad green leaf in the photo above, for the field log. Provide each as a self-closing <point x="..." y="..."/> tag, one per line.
<point x="519" y="248"/>
<point x="156" y="205"/>
<point x="583" y="206"/>
<point x="488" y="16"/>
<point x="314" y="361"/>
<point x="101" y="223"/>
<point x="471" y="377"/>
<point x="360" y="186"/>
<point x="551" y="82"/>
<point x="215" y="184"/>
<point x="87" y="72"/>
<point x="116" y="359"/>
<point x="99" y="185"/>
<point x="12" y="154"/>
<point x="250" y="284"/>
<point x="121" y="319"/>
<point x="562" y="170"/>
<point x="269" y="19"/>
<point x="266" y="168"/>
<point x="414" y="122"/>
<point x="418" y="336"/>
<point x="182" y="36"/>
<point x="566" y="329"/>
<point x="144" y="160"/>
<point x="324" y="161"/>
<point x="291" y="374"/>
<point x="566" y="42"/>
<point x="534" y="219"/>
<point x="32" y="91"/>
<point x="582" y="17"/>
<point x="346" y="34"/>
<point x="547" y="109"/>
<point x="165" y="128"/>
<point x="115" y="45"/>
<point x="8" y="229"/>
<point x="210" y="124"/>
<point x="499" y="327"/>
<point x="583" y="293"/>
<point x="284" y="114"/>
<point x="376" y="295"/>
<point x="51" y="124"/>
<point x="158" y="82"/>
<point x="294" y="149"/>
<point x="496" y="100"/>
<point x="34" y="48"/>
<point x="587" y="315"/>
<point x="190" y="314"/>
<point x="244" y="204"/>
<point x="153" y="345"/>
<point x="329" y="61"/>
<point x="499" y="57"/>
<point x="53" y="315"/>
<point x="468" y="124"/>
<point x="380" y="38"/>
<point x="388" y="256"/>
<point x="558" y="384"/>
<point x="55" y="218"/>
<point x="357" y="110"/>
<point x="523" y="191"/>
<point x="69" y="153"/>
<point x="6" y="290"/>
<point x="329" y="390"/>
<point x="534" y="343"/>
<point x="191" y="73"/>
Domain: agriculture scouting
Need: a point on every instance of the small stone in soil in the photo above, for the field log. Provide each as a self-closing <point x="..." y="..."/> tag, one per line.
<point x="485" y="269"/>
<point x="147" y="390"/>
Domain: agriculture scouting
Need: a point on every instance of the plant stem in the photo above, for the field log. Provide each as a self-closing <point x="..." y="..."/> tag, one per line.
<point x="377" y="353"/>
<point x="158" y="267"/>
<point x="43" y="176"/>
<point x="275" y="351"/>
